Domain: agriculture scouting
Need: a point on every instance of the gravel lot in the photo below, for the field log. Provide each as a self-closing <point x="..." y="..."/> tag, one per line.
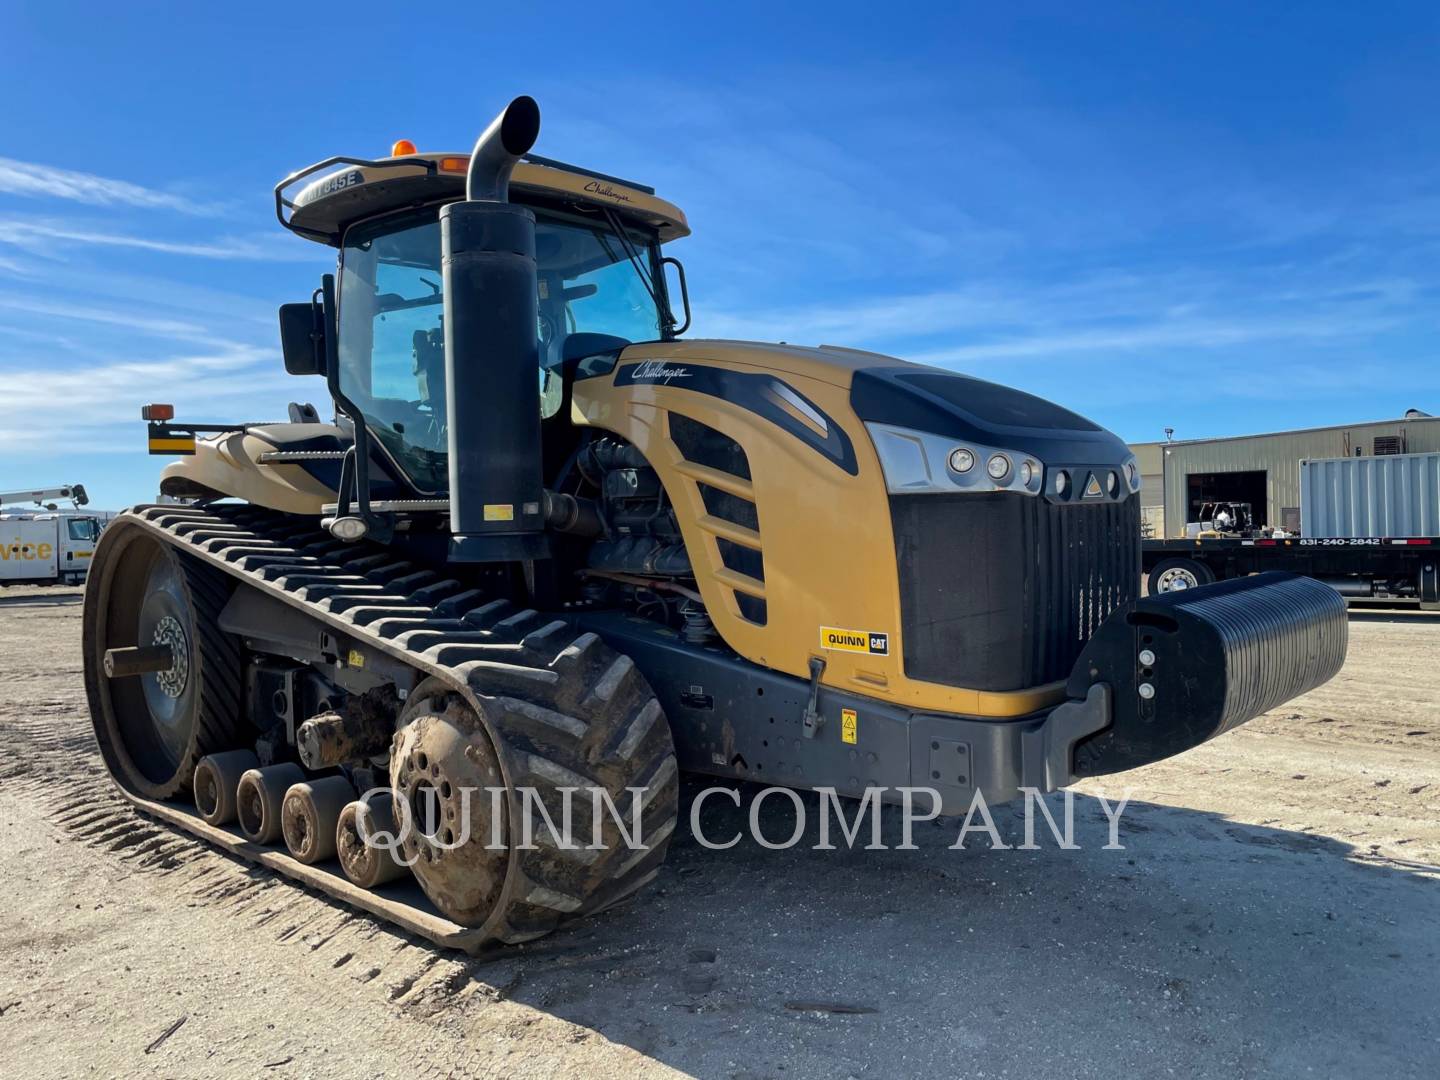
<point x="1275" y="911"/>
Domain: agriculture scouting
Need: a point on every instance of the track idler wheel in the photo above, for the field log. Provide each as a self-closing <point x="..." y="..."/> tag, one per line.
<point x="443" y="770"/>
<point x="217" y="779"/>
<point x="164" y="680"/>
<point x="367" y="865"/>
<point x="260" y="798"/>
<point x="310" y="816"/>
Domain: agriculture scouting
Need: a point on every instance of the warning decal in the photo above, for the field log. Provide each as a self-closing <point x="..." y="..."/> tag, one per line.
<point x="849" y="726"/>
<point x="861" y="641"/>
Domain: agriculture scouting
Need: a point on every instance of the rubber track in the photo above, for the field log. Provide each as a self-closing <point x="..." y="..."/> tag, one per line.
<point x="220" y="672"/>
<point x="561" y="710"/>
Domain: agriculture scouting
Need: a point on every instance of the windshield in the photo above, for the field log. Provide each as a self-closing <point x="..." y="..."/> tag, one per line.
<point x="392" y="347"/>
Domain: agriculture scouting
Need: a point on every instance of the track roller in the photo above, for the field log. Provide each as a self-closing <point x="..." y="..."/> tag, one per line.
<point x="217" y="779"/>
<point x="310" y="816"/>
<point x="365" y="865"/>
<point x="259" y="798"/>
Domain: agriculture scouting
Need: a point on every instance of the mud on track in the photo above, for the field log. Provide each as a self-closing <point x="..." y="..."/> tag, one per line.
<point x="1276" y="910"/>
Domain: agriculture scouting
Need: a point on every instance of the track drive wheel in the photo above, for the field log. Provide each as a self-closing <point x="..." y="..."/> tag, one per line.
<point x="154" y="728"/>
<point x="584" y="720"/>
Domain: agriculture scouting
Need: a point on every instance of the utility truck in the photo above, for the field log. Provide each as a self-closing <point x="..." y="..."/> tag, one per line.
<point x="49" y="546"/>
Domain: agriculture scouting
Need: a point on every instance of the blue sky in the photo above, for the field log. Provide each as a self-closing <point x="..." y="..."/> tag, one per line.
<point x="1219" y="218"/>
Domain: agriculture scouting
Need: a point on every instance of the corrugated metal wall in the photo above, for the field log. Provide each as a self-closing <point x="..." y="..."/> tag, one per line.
<point x="1279" y="455"/>
<point x="1151" y="460"/>
<point x="1374" y="496"/>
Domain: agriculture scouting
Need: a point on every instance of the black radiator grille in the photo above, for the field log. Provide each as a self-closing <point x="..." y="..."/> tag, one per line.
<point x="1001" y="592"/>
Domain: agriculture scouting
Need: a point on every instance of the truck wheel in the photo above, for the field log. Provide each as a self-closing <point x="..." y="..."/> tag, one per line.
<point x="1175" y="575"/>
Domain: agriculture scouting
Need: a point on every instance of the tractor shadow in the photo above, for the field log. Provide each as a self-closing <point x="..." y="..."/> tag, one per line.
<point x="39" y="600"/>
<point x="1227" y="949"/>
<point x="1414" y="616"/>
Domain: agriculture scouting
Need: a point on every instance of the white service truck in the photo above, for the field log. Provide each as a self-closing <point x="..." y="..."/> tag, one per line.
<point x="46" y="548"/>
<point x="49" y="546"/>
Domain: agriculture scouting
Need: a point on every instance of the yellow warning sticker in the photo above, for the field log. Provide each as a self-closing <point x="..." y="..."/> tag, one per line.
<point x="849" y="726"/>
<point x="355" y="659"/>
<point x="499" y="512"/>
<point x="861" y="641"/>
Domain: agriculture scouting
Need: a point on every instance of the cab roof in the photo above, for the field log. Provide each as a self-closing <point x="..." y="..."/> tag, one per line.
<point x="353" y="189"/>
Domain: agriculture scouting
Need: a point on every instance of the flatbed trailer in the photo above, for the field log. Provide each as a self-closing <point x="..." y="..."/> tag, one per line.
<point x="1405" y="568"/>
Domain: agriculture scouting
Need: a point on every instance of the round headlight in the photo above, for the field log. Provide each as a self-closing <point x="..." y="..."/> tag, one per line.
<point x="962" y="460"/>
<point x="1062" y="481"/>
<point x="1112" y="484"/>
<point x="1027" y="472"/>
<point x="998" y="466"/>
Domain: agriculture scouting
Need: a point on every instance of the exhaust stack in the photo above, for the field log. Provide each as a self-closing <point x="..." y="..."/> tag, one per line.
<point x="492" y="354"/>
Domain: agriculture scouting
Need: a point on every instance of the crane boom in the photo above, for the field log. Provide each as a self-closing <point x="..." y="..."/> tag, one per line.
<point x="40" y="496"/>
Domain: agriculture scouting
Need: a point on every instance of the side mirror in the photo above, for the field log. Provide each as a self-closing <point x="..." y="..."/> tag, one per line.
<point x="670" y="260"/>
<point x="302" y="338"/>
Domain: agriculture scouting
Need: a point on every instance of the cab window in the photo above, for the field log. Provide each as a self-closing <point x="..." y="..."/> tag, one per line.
<point x="392" y="346"/>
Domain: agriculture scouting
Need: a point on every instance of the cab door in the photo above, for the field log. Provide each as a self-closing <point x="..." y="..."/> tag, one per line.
<point x="76" y="546"/>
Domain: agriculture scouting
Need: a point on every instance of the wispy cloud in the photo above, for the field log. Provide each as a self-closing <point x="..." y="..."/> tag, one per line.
<point x="1020" y="318"/>
<point x="1166" y="335"/>
<point x="33" y="180"/>
<point x="100" y="400"/>
<point x="14" y="266"/>
<point x="84" y="312"/>
<point x="41" y="236"/>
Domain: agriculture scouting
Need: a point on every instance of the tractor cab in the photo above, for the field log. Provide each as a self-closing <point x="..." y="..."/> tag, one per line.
<point x="600" y="288"/>
<point x="599" y="284"/>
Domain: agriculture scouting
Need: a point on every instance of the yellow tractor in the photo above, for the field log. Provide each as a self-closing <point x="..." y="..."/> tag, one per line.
<point x="549" y="555"/>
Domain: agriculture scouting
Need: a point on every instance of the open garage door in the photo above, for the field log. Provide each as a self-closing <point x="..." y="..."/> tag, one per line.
<point x="1241" y="487"/>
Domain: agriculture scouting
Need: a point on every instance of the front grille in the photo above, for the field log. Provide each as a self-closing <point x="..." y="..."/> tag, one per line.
<point x="1002" y="591"/>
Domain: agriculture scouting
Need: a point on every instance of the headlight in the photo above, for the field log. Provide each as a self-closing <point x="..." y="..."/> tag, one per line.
<point x="1132" y="474"/>
<point x="1062" y="481"/>
<point x="921" y="461"/>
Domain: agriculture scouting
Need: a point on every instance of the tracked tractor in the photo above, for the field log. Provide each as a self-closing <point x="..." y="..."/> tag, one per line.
<point x="547" y="544"/>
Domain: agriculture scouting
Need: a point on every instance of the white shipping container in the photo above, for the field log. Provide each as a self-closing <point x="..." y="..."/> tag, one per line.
<point x="1389" y="495"/>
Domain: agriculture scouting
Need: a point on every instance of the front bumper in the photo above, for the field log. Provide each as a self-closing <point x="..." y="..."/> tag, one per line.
<point x="1162" y="675"/>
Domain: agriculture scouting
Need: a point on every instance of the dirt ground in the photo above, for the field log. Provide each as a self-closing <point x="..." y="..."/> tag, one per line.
<point x="1275" y="912"/>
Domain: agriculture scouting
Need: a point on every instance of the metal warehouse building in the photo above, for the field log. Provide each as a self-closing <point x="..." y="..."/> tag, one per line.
<point x="1262" y="470"/>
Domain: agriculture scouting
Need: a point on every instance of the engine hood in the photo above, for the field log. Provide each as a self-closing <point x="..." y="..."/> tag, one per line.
<point x="972" y="410"/>
<point x="894" y="393"/>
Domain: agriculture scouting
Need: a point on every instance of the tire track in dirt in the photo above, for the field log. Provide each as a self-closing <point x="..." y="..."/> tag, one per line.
<point x="48" y="757"/>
